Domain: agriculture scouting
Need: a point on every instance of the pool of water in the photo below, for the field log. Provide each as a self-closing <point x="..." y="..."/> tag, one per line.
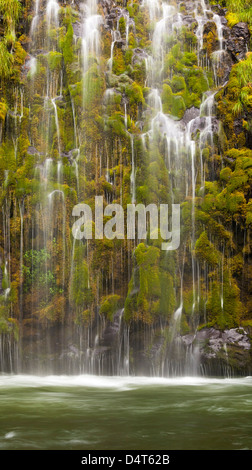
<point x="127" y="413"/>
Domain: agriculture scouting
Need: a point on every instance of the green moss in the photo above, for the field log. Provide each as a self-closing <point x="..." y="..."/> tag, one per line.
<point x="225" y="174"/>
<point x="178" y="106"/>
<point x="249" y="213"/>
<point x="122" y="25"/>
<point x="118" y="62"/>
<point x="205" y="250"/>
<point x="94" y="85"/>
<point x="11" y="11"/>
<point x="189" y="59"/>
<point x="3" y="109"/>
<point x="67" y="45"/>
<point x="178" y="84"/>
<point x="109" y="306"/>
<point x="134" y="93"/>
<point x="228" y="315"/>
<point x="197" y="81"/>
<point x="167" y="98"/>
<point x="54" y="60"/>
<point x="173" y="103"/>
<point x="151" y="289"/>
<point x="6" y="62"/>
<point x="80" y="291"/>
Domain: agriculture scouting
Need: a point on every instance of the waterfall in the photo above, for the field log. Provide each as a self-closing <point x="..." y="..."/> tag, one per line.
<point x="35" y="18"/>
<point x="118" y="100"/>
<point x="90" y="34"/>
<point x="52" y="10"/>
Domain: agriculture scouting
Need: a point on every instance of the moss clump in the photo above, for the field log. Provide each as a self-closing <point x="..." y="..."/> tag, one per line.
<point x="197" y="81"/>
<point x="178" y="84"/>
<point x="205" y="250"/>
<point x="67" y="45"/>
<point x="109" y="306"/>
<point x="172" y="103"/>
<point x="11" y="11"/>
<point x="224" y="307"/>
<point x="54" y="60"/>
<point x="80" y="291"/>
<point x="6" y="62"/>
<point x="134" y="93"/>
<point x="167" y="98"/>
<point x="118" y="66"/>
<point x="93" y="86"/>
<point x="151" y="289"/>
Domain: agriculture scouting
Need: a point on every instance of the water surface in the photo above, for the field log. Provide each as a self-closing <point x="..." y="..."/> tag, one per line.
<point x="127" y="413"/>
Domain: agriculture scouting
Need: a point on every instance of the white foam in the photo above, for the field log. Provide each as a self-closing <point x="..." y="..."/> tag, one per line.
<point x="10" y="435"/>
<point x="114" y="382"/>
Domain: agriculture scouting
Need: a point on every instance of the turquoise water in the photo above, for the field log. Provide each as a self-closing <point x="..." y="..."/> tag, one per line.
<point x="127" y="413"/>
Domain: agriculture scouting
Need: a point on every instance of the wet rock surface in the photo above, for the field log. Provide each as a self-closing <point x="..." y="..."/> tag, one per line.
<point x="230" y="348"/>
<point x="237" y="42"/>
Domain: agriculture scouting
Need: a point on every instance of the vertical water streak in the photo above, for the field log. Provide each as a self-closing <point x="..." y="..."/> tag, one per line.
<point x="133" y="175"/>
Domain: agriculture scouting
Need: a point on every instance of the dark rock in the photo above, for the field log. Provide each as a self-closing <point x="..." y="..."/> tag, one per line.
<point x="74" y="350"/>
<point x="222" y="350"/>
<point x="241" y="30"/>
<point x="223" y="65"/>
<point x="223" y="21"/>
<point x="121" y="43"/>
<point x="236" y="336"/>
<point x="32" y="151"/>
<point x="77" y="28"/>
<point x="188" y="339"/>
<point x="238" y="41"/>
<point x="209" y="27"/>
<point x="219" y="10"/>
<point x="191" y="113"/>
<point x="238" y="126"/>
<point x="111" y="332"/>
<point x="200" y="124"/>
<point x="189" y="20"/>
<point x="140" y="125"/>
<point x="138" y="56"/>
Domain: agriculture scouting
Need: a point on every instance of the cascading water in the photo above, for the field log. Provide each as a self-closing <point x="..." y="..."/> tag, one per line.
<point x="72" y="314"/>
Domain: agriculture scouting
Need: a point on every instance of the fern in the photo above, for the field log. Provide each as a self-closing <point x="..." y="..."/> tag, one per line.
<point x="6" y="61"/>
<point x="11" y="10"/>
<point x="237" y="108"/>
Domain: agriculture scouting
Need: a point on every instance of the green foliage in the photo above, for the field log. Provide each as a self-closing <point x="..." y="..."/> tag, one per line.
<point x="36" y="271"/>
<point x="6" y="62"/>
<point x="239" y="10"/>
<point x="11" y="11"/>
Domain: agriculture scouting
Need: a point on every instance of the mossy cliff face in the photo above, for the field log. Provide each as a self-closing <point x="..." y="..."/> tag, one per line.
<point x="83" y="116"/>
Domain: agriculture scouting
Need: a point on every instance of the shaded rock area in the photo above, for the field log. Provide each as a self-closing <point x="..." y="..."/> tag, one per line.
<point x="220" y="350"/>
<point x="237" y="41"/>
